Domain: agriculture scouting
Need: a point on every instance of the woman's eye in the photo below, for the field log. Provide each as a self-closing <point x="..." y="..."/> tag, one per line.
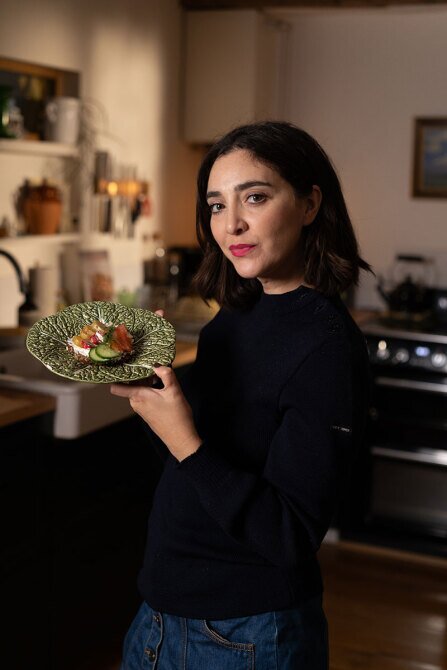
<point x="216" y="207"/>
<point x="256" y="198"/>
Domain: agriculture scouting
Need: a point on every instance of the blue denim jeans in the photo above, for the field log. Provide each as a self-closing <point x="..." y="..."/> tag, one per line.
<point x="293" y="639"/>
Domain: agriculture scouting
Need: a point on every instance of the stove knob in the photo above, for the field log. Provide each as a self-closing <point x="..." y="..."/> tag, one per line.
<point x="438" y="359"/>
<point x="402" y="356"/>
<point x="383" y="354"/>
<point x="382" y="351"/>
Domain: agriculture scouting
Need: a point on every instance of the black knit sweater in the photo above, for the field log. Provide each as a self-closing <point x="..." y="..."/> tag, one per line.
<point x="279" y="395"/>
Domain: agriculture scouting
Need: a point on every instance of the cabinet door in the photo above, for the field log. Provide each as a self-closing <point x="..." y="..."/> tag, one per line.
<point x="235" y="71"/>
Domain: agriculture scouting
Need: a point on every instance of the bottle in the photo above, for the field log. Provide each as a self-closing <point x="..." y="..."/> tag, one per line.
<point x="5" y="103"/>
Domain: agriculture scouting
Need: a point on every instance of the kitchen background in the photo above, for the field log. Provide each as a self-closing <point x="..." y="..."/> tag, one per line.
<point x="355" y="78"/>
<point x="159" y="83"/>
<point x="128" y="56"/>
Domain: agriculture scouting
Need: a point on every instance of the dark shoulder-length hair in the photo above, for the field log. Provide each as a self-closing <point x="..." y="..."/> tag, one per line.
<point x="331" y="255"/>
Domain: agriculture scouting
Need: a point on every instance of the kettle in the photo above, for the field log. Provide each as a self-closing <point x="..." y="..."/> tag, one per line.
<point x="410" y="293"/>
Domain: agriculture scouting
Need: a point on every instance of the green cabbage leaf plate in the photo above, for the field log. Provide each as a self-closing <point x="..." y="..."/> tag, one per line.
<point x="154" y="342"/>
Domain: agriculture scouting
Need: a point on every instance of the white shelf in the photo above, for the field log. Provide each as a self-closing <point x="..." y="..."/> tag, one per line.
<point x="38" y="148"/>
<point x="24" y="239"/>
<point x="88" y="238"/>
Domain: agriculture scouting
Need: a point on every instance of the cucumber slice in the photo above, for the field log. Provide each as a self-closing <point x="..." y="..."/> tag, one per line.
<point x="94" y="356"/>
<point x="106" y="352"/>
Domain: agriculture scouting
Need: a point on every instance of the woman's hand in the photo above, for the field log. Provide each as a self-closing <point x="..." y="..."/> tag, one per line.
<point x="165" y="410"/>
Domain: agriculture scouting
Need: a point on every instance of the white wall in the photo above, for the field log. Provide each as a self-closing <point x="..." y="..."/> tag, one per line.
<point x="359" y="77"/>
<point x="129" y="57"/>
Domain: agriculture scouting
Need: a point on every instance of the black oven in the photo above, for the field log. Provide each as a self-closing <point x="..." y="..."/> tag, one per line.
<point x="398" y="492"/>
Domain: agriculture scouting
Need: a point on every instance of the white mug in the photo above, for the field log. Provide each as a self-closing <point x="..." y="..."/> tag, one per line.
<point x="63" y="116"/>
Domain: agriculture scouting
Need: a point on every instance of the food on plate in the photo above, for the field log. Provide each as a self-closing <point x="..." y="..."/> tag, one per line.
<point x="100" y="343"/>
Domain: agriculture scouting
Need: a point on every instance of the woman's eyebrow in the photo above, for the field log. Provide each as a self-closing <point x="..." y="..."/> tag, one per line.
<point x="240" y="187"/>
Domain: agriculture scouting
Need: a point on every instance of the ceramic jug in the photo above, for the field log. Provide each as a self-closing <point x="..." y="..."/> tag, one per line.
<point x="63" y="115"/>
<point x="41" y="207"/>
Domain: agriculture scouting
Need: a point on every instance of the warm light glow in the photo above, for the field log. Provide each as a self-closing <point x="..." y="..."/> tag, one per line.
<point x="382" y="345"/>
<point x="112" y="188"/>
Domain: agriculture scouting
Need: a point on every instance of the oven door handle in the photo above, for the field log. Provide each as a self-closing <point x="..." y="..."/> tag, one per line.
<point x="427" y="387"/>
<point x="429" y="456"/>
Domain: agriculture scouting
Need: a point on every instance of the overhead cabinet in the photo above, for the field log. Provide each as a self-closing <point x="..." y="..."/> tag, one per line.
<point x="235" y="71"/>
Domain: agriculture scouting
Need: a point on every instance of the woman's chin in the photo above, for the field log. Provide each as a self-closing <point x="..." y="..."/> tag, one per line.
<point x="246" y="274"/>
<point x="246" y="270"/>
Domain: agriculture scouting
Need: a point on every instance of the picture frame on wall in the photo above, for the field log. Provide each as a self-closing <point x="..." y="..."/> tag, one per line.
<point x="430" y="158"/>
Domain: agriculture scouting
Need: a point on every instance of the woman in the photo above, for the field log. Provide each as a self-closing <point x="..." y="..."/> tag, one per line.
<point x="264" y="426"/>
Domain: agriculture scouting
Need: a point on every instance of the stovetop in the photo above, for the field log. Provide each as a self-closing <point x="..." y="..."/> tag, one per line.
<point x="407" y="344"/>
<point x="428" y="327"/>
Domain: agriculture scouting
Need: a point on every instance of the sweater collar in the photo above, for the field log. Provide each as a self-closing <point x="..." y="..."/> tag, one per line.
<point x="289" y="301"/>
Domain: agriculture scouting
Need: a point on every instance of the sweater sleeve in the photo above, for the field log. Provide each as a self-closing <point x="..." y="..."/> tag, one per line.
<point x="284" y="513"/>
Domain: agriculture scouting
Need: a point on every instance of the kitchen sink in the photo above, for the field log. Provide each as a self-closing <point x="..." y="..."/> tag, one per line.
<point x="80" y="407"/>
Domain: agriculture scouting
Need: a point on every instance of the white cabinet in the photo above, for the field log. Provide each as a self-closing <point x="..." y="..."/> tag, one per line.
<point x="235" y="71"/>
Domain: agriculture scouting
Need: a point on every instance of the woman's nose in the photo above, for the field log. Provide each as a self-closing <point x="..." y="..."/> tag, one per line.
<point x="235" y="222"/>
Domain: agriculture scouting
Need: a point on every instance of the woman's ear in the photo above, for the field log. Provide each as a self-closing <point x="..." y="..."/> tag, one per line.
<point x="313" y="202"/>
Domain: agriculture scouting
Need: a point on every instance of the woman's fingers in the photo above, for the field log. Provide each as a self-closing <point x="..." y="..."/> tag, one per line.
<point x="159" y="312"/>
<point x="167" y="375"/>
<point x="163" y="372"/>
<point x="122" y="390"/>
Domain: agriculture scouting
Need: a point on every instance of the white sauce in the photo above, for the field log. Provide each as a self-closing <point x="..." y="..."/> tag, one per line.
<point x="81" y="350"/>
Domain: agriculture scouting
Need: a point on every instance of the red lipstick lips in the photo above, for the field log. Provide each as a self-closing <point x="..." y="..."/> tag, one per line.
<point x="241" y="249"/>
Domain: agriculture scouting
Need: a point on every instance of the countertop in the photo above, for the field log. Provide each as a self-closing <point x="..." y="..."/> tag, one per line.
<point x="361" y="316"/>
<point x="19" y="405"/>
<point x="185" y="353"/>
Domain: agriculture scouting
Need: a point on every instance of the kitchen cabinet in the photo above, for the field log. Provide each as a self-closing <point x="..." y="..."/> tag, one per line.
<point x="73" y="515"/>
<point x="73" y="519"/>
<point x="235" y="71"/>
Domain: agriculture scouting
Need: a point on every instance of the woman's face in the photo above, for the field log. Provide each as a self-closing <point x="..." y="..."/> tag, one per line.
<point x="257" y="219"/>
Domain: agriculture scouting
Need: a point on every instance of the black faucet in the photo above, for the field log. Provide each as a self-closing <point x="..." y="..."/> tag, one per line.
<point x="28" y="305"/>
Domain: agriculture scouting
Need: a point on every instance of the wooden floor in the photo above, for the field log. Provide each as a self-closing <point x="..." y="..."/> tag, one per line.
<point x="386" y="611"/>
